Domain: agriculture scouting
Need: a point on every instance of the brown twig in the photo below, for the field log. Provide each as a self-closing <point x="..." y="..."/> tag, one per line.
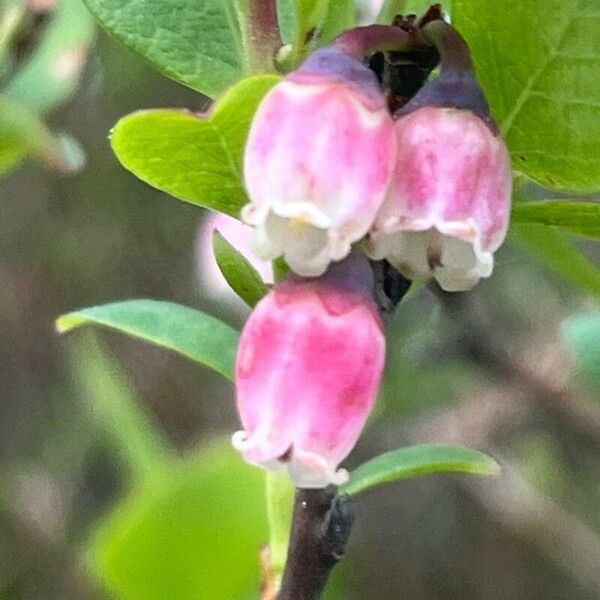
<point x="320" y="530"/>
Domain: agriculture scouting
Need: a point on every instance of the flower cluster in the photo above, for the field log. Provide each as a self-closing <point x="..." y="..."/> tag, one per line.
<point x="333" y="177"/>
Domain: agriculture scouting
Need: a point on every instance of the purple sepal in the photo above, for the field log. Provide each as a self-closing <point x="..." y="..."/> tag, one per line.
<point x="452" y="89"/>
<point x="336" y="64"/>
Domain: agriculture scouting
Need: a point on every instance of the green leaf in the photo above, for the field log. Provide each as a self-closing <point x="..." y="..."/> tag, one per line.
<point x="310" y="16"/>
<point x="286" y="15"/>
<point x="52" y="73"/>
<point x="305" y="23"/>
<point x="560" y="254"/>
<point x="197" y="43"/>
<point x="537" y="65"/>
<point x="238" y="272"/>
<point x="415" y="461"/>
<point x="189" y="332"/>
<point x="195" y="158"/>
<point x="112" y="401"/>
<point x="582" y="333"/>
<point x="580" y="218"/>
<point x="193" y="531"/>
<point x="341" y="16"/>
<point x="280" y="269"/>
<point x="23" y="134"/>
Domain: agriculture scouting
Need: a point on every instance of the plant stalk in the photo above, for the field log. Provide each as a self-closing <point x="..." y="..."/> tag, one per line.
<point x="320" y="531"/>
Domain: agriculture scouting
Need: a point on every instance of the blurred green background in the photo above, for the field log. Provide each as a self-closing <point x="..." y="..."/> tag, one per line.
<point x="116" y="480"/>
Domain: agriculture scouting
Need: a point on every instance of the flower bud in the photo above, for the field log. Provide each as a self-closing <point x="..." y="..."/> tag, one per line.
<point x="448" y="207"/>
<point x="308" y="370"/>
<point x="318" y="161"/>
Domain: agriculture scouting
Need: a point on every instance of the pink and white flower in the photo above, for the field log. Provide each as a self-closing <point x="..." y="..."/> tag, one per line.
<point x="318" y="161"/>
<point x="448" y="207"/>
<point x="308" y="370"/>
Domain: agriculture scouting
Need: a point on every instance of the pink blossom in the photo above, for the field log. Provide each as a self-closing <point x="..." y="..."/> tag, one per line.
<point x="448" y="206"/>
<point x="308" y="371"/>
<point x="318" y="161"/>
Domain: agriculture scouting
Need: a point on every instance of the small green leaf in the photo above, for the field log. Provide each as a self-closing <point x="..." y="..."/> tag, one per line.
<point x="52" y="73"/>
<point x="536" y="64"/>
<point x="341" y="16"/>
<point x="112" y="402"/>
<point x="582" y="333"/>
<point x="196" y="43"/>
<point x="23" y="134"/>
<point x="310" y="16"/>
<point x="415" y="461"/>
<point x="560" y="254"/>
<point x="580" y="218"/>
<point x="193" y="531"/>
<point x="280" y="269"/>
<point x="305" y="23"/>
<point x="238" y="272"/>
<point x="189" y="332"/>
<point x="195" y="158"/>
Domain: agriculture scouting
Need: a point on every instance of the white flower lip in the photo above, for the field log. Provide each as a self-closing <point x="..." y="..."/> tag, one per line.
<point x="306" y="469"/>
<point x="300" y="232"/>
<point x="451" y="252"/>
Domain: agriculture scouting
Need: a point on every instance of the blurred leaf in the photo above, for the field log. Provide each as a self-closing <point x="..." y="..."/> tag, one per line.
<point x="560" y="254"/>
<point x="195" y="43"/>
<point x="189" y="332"/>
<point x="23" y="134"/>
<point x="415" y="461"/>
<point x="52" y="73"/>
<point x="537" y="65"/>
<point x="238" y="272"/>
<point x="582" y="333"/>
<point x="194" y="158"/>
<point x="12" y="18"/>
<point x="112" y="401"/>
<point x="580" y="218"/>
<point x="193" y="531"/>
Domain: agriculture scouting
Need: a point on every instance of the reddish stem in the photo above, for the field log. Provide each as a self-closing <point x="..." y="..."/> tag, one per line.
<point x="364" y="41"/>
<point x="454" y="52"/>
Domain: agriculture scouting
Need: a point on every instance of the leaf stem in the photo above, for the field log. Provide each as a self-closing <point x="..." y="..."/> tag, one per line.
<point x="260" y="33"/>
<point x="364" y="41"/>
<point x="454" y="52"/>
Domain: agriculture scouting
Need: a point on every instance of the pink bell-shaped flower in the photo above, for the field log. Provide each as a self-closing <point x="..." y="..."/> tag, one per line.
<point x="308" y="370"/>
<point x="318" y="161"/>
<point x="448" y="206"/>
